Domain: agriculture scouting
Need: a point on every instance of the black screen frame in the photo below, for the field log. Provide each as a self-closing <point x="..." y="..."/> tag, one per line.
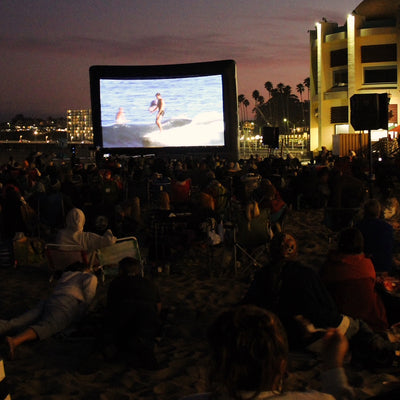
<point x="225" y="68"/>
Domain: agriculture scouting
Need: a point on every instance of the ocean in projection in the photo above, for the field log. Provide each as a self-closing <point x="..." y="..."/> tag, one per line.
<point x="193" y="112"/>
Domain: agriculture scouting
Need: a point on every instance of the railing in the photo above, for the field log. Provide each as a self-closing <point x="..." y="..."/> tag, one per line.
<point x="296" y="146"/>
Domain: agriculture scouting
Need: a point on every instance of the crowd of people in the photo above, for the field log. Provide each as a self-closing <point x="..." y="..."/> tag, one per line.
<point x="288" y="305"/>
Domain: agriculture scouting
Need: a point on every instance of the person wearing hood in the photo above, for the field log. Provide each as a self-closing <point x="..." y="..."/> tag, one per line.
<point x="73" y="233"/>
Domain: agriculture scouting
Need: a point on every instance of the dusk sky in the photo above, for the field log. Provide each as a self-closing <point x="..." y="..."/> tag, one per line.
<point x="47" y="46"/>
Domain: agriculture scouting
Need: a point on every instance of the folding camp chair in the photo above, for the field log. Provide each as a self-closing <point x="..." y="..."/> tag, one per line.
<point x="110" y="256"/>
<point x="250" y="238"/>
<point x="60" y="256"/>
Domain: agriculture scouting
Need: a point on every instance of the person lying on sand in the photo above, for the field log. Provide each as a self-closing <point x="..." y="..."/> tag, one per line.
<point x="68" y="303"/>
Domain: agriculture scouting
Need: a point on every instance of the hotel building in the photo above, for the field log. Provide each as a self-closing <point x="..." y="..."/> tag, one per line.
<point x="79" y="126"/>
<point x="358" y="58"/>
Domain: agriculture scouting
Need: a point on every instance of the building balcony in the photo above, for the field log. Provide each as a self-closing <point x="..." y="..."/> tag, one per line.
<point x="338" y="91"/>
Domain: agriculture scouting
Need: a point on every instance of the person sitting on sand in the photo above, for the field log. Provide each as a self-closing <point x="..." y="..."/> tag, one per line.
<point x="132" y="319"/>
<point x="296" y="293"/>
<point x="391" y="212"/>
<point x="269" y="198"/>
<point x="67" y="304"/>
<point x="249" y="359"/>
<point x="350" y="278"/>
<point x="378" y="237"/>
<point x="272" y="284"/>
<point x="73" y="233"/>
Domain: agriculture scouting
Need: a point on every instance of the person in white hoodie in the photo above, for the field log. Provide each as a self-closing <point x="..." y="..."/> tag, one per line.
<point x="73" y="233"/>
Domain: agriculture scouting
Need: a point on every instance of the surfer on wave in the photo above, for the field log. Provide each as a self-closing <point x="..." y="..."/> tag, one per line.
<point x="120" y="118"/>
<point x="160" y="106"/>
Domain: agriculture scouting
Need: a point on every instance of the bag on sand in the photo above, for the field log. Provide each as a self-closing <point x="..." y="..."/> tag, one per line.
<point x="29" y="251"/>
<point x="29" y="216"/>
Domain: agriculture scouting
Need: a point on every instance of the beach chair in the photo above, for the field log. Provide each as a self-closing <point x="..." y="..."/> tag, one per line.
<point x="60" y="256"/>
<point x="108" y="257"/>
<point x="250" y="236"/>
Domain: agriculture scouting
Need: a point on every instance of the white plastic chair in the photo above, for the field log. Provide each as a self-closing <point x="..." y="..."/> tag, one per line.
<point x="60" y="256"/>
<point x="110" y="256"/>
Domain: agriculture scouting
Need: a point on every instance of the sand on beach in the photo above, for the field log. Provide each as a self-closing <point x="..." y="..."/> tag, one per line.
<point x="197" y="288"/>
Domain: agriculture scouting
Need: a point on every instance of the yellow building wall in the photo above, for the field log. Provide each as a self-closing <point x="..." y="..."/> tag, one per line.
<point x="322" y="132"/>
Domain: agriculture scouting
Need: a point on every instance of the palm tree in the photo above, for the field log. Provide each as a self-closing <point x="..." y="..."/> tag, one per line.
<point x="241" y="111"/>
<point x="287" y="93"/>
<point x="275" y="107"/>
<point x="258" y="103"/>
<point x="281" y="105"/>
<point x="255" y="95"/>
<point x="246" y="103"/>
<point x="300" y="90"/>
<point x="306" y="83"/>
<point x="280" y="86"/>
<point x="268" y="86"/>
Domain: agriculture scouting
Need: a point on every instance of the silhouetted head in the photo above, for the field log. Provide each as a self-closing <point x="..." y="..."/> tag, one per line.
<point x="351" y="241"/>
<point x="249" y="351"/>
<point x="130" y="266"/>
<point x="283" y="246"/>
<point x="372" y="209"/>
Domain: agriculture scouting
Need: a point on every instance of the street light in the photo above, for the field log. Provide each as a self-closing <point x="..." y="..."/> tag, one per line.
<point x="285" y="124"/>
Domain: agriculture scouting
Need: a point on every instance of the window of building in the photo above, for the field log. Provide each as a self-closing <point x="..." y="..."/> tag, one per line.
<point x="339" y="115"/>
<point x="380" y="75"/>
<point x="338" y="58"/>
<point x="341" y="128"/>
<point x="379" y="23"/>
<point x="392" y="113"/>
<point x="340" y="77"/>
<point x="379" y="53"/>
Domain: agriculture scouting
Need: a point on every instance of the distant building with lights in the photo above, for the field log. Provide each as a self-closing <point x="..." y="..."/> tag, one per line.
<point x="79" y="125"/>
<point x="360" y="57"/>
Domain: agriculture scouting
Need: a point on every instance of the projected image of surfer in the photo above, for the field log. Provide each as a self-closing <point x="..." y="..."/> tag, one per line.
<point x="120" y="118"/>
<point x="160" y="108"/>
<point x="188" y="112"/>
